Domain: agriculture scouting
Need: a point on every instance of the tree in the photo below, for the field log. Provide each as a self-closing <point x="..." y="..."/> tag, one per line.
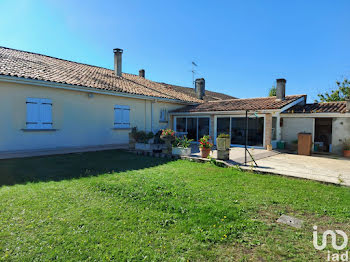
<point x="272" y="91"/>
<point x="341" y="94"/>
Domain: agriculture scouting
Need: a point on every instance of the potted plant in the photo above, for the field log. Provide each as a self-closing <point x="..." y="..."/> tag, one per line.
<point x="205" y="146"/>
<point x="168" y="136"/>
<point x="158" y="144"/>
<point x="142" y="140"/>
<point x="346" y="149"/>
<point x="223" y="142"/>
<point x="181" y="146"/>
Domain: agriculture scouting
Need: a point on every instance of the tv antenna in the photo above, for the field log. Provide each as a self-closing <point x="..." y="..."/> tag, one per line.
<point x="194" y="65"/>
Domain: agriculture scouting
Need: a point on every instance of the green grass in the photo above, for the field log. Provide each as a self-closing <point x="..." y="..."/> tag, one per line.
<point x="141" y="208"/>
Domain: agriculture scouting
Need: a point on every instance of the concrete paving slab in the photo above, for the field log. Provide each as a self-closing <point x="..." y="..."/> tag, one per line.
<point x="320" y="168"/>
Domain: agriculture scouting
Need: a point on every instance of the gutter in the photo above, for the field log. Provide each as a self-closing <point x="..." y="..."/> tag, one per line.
<point x="224" y="112"/>
<point x="28" y="81"/>
<point x="314" y="115"/>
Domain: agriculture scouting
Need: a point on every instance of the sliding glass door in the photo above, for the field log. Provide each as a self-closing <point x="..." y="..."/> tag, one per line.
<point x="236" y="127"/>
<point x="193" y="127"/>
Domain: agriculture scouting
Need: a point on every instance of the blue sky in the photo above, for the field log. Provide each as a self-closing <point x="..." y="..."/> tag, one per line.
<point x="241" y="47"/>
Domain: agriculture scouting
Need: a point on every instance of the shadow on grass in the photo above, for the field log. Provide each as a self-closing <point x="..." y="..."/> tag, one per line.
<point x="68" y="166"/>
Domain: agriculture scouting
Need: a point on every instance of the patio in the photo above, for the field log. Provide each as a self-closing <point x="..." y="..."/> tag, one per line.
<point x="324" y="168"/>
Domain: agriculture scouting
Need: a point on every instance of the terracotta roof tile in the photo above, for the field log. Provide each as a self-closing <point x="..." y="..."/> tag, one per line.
<point x="329" y="107"/>
<point x="40" y="67"/>
<point x="263" y="103"/>
<point x="209" y="95"/>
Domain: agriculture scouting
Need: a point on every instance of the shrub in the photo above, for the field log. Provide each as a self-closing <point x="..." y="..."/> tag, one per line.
<point x="204" y="142"/>
<point x="346" y="144"/>
<point x="222" y="135"/>
<point x="182" y="142"/>
<point x="142" y="136"/>
<point x="157" y="139"/>
<point x="168" y="132"/>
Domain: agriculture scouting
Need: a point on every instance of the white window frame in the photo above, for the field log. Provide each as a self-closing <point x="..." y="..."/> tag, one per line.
<point x="121" y="117"/>
<point x="39" y="114"/>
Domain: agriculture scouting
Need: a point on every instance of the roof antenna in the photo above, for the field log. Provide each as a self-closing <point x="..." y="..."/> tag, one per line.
<point x="193" y="73"/>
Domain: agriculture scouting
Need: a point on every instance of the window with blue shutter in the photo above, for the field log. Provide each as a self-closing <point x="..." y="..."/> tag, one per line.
<point x="121" y="116"/>
<point x="39" y="113"/>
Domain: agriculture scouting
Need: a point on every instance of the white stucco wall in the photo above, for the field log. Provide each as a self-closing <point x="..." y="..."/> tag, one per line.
<point x="340" y="132"/>
<point x="80" y="121"/>
<point x="293" y="126"/>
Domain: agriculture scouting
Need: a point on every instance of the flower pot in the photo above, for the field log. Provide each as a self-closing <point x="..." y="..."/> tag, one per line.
<point x="181" y="151"/>
<point x="168" y="140"/>
<point x="143" y="147"/>
<point x="223" y="143"/>
<point x="346" y="153"/>
<point x="205" y="152"/>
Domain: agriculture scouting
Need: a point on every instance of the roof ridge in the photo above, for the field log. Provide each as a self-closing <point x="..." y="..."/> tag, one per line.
<point x="253" y="98"/>
<point x="329" y="102"/>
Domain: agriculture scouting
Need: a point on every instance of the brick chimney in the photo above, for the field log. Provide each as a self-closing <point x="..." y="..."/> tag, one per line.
<point x="118" y="53"/>
<point x="200" y="88"/>
<point x="142" y="73"/>
<point x="281" y="89"/>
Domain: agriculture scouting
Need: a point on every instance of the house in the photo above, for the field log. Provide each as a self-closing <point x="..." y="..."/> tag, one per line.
<point x="329" y="124"/>
<point x="270" y="119"/>
<point x="229" y="116"/>
<point x="48" y="103"/>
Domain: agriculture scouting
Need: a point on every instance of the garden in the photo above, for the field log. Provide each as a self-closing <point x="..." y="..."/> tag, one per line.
<point x="119" y="206"/>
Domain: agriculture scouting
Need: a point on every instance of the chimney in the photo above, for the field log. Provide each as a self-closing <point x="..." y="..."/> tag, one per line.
<point x="142" y="73"/>
<point x="281" y="89"/>
<point x="200" y="88"/>
<point x="118" y="61"/>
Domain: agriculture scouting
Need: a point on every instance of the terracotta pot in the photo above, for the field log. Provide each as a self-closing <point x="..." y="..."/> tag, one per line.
<point x="346" y="153"/>
<point x="205" y="152"/>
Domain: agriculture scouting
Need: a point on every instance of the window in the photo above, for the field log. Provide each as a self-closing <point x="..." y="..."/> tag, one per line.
<point x="274" y="128"/>
<point x="193" y="127"/>
<point x="121" y="116"/>
<point x="39" y="113"/>
<point x="255" y="131"/>
<point x="163" y="115"/>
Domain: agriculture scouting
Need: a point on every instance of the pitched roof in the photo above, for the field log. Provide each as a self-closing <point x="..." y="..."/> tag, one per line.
<point x="262" y="103"/>
<point x="41" y="67"/>
<point x="209" y="95"/>
<point x="329" y="107"/>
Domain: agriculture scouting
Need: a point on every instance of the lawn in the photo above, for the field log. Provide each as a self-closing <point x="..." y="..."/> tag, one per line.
<point x="117" y="206"/>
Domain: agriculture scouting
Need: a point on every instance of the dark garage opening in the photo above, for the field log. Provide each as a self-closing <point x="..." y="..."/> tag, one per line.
<point x="323" y="135"/>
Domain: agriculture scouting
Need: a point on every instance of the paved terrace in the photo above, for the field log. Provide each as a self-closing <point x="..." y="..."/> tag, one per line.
<point x="324" y="168"/>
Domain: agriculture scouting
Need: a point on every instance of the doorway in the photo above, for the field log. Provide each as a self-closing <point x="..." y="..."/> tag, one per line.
<point x="323" y="135"/>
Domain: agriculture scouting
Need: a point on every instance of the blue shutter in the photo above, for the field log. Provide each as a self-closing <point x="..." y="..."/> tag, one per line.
<point x="46" y="113"/>
<point x="121" y="116"/>
<point x="33" y="113"/>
